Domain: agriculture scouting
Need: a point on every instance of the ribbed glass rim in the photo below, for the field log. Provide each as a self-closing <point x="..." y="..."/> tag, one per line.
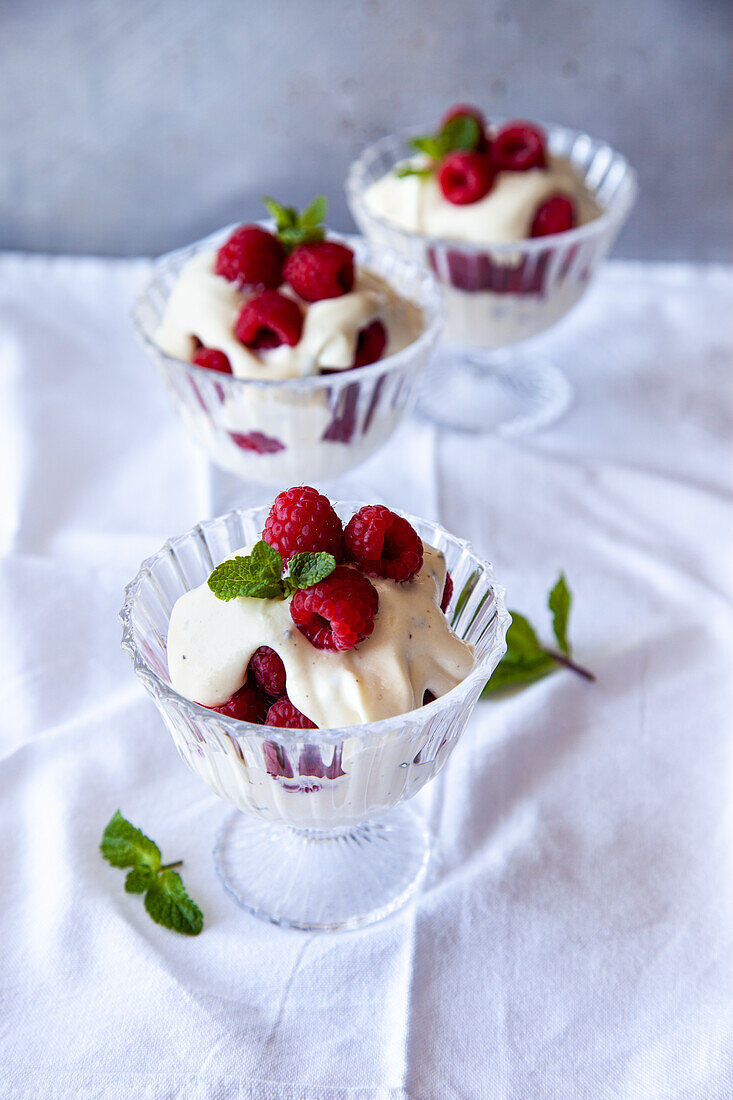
<point x="430" y="303"/>
<point x="237" y="728"/>
<point x="611" y="217"/>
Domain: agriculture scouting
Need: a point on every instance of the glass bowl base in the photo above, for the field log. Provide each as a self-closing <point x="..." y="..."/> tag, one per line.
<point x="507" y="393"/>
<point x="322" y="882"/>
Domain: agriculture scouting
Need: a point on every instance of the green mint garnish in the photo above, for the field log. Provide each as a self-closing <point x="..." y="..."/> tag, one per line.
<point x="293" y="228"/>
<point x="166" y="899"/>
<point x="462" y="132"/>
<point x="526" y="659"/>
<point x="260" y="574"/>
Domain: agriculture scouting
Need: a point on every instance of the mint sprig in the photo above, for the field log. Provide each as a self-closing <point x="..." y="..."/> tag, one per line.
<point x="292" y="228"/>
<point x="461" y="132"/>
<point x="527" y="659"/>
<point x="166" y="899"/>
<point x="259" y="575"/>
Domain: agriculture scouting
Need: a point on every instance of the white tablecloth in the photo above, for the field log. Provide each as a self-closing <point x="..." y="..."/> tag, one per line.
<point x="576" y="936"/>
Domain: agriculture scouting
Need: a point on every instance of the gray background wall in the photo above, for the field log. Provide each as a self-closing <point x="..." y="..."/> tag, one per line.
<point x="132" y="126"/>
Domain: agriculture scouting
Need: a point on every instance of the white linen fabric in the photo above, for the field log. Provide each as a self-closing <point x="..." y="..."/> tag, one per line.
<point x="575" y="938"/>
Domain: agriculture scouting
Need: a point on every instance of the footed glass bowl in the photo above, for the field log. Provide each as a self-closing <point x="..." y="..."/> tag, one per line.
<point x="498" y="296"/>
<point x="304" y="429"/>
<point x="320" y="839"/>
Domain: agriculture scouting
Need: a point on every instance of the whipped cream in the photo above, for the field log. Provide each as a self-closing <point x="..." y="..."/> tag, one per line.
<point x="416" y="203"/>
<point x="412" y="649"/>
<point x="205" y="306"/>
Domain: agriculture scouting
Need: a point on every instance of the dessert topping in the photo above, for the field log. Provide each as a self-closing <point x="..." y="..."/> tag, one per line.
<point x="323" y="269"/>
<point x="283" y="714"/>
<point x="554" y="215"/>
<point x="519" y="146"/>
<point x="212" y="359"/>
<point x="383" y="544"/>
<point x="370" y="344"/>
<point x="302" y="519"/>
<point x="466" y="177"/>
<point x="337" y="613"/>
<point x="268" y="671"/>
<point x="269" y="320"/>
<point x="252" y="257"/>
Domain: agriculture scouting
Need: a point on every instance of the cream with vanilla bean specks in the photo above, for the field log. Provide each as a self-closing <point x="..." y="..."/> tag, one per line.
<point x="274" y="306"/>
<point x="354" y="632"/>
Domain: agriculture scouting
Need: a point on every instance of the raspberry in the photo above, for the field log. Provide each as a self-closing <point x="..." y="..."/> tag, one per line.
<point x="519" y="146"/>
<point x="554" y="215"/>
<point x="302" y="520"/>
<point x="269" y="320"/>
<point x="258" y="442"/>
<point x="276" y="761"/>
<point x="338" y="612"/>
<point x="248" y="705"/>
<point x="465" y="110"/>
<point x="370" y="344"/>
<point x="476" y="271"/>
<point x="284" y="715"/>
<point x="428" y="697"/>
<point x="343" y="425"/>
<point x="322" y="269"/>
<point x="383" y="544"/>
<point x="447" y="593"/>
<point x="310" y="762"/>
<point x="266" y="666"/>
<point x="252" y="257"/>
<point x="465" y="177"/>
<point x="212" y="359"/>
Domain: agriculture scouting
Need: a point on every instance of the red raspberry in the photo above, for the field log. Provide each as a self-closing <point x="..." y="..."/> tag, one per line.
<point x="343" y="425"/>
<point x="428" y="697"/>
<point x="447" y="593"/>
<point x="519" y="146"/>
<point x="383" y="544"/>
<point x="338" y="612"/>
<point x="465" y="110"/>
<point x="310" y="762"/>
<point x="322" y="269"/>
<point x="258" y="442"/>
<point x="269" y="320"/>
<point x="465" y="177"/>
<point x="554" y="215"/>
<point x="268" y="671"/>
<point x="276" y="761"/>
<point x="248" y="704"/>
<point x="370" y="344"/>
<point x="284" y="715"/>
<point x="252" y="257"/>
<point x="212" y="359"/>
<point x="301" y="520"/>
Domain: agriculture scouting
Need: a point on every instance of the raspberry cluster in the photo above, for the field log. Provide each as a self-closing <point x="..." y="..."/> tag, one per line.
<point x="296" y="255"/>
<point x="467" y="173"/>
<point x="336" y="613"/>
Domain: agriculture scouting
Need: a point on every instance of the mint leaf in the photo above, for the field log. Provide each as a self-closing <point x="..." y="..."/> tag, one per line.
<point x="125" y="846"/>
<point x="511" y="673"/>
<point x="411" y="170"/>
<point x="315" y="212"/>
<point x="259" y="575"/>
<point x="285" y="217"/>
<point x="305" y="570"/>
<point x="462" y="132"/>
<point x="168" y="904"/>
<point x="166" y="899"/>
<point x="559" y="603"/>
<point x="138" y="880"/>
<point x="427" y="145"/>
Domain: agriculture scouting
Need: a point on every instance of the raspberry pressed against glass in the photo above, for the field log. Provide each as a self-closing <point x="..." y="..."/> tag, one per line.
<point x="258" y="442"/>
<point x="248" y="705"/>
<point x="465" y="177"/>
<point x="268" y="671"/>
<point x="519" y="146"/>
<point x="338" y="612"/>
<point x="370" y="344"/>
<point x="383" y="543"/>
<point x="283" y="714"/>
<point x="269" y="320"/>
<point x="321" y="269"/>
<point x="251" y="257"/>
<point x="212" y="359"/>
<point x="302" y="520"/>
<point x="447" y="593"/>
<point x="554" y="215"/>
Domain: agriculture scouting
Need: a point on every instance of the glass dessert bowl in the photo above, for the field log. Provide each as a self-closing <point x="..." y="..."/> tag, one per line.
<point x="499" y="293"/>
<point x="281" y="428"/>
<point x="320" y="839"/>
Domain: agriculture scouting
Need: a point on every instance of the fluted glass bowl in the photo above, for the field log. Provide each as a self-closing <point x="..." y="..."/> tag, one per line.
<point x="304" y="429"/>
<point x="500" y="295"/>
<point x="322" y="841"/>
